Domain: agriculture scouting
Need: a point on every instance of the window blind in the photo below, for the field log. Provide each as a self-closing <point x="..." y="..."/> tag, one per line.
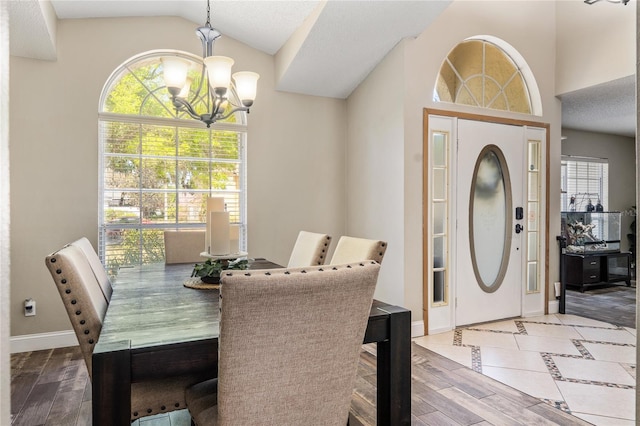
<point x="584" y="180"/>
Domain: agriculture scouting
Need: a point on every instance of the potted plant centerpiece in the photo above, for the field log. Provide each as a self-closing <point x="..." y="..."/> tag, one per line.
<point x="209" y="271"/>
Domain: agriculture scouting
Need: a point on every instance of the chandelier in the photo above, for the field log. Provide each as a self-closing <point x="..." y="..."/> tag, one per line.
<point x="610" y="1"/>
<point x="217" y="70"/>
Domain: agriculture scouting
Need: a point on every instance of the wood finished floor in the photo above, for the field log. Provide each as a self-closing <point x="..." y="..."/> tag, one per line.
<point x="613" y="304"/>
<point x="52" y="388"/>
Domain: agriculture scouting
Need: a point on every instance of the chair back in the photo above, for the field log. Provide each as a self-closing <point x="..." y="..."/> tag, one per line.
<point x="183" y="246"/>
<point x="351" y="249"/>
<point x="96" y="266"/>
<point x="290" y="341"/>
<point x="81" y="295"/>
<point x="310" y="249"/>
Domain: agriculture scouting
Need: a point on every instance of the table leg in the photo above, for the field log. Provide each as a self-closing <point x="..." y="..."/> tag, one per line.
<point x="394" y="370"/>
<point x="111" y="388"/>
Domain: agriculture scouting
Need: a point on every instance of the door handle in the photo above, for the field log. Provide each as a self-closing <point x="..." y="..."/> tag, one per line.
<point x="519" y="228"/>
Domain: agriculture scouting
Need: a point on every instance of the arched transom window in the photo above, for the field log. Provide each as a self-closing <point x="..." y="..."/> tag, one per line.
<point x="480" y="72"/>
<point x="157" y="168"/>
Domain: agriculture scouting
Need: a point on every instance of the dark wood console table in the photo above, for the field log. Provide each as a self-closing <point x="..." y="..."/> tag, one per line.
<point x="595" y="269"/>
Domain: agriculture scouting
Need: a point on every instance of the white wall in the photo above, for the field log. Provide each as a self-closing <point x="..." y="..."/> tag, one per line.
<point x="596" y="43"/>
<point x="620" y="151"/>
<point x="296" y="145"/>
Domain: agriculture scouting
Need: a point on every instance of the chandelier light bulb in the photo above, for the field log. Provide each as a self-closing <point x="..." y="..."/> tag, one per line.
<point x="175" y="72"/>
<point x="246" y="86"/>
<point x="219" y="71"/>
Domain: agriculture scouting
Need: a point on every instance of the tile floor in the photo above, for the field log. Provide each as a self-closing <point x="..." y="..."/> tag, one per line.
<point x="582" y="366"/>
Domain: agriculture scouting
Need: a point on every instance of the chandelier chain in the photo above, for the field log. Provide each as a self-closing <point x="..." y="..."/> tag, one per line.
<point x="208" y="23"/>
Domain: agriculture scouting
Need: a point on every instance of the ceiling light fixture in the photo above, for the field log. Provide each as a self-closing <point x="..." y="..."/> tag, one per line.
<point x="610" y="1"/>
<point x="215" y="74"/>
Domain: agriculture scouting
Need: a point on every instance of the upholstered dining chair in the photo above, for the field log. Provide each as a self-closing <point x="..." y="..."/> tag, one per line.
<point x="86" y="306"/>
<point x="351" y="249"/>
<point x="183" y="246"/>
<point x="96" y="266"/>
<point x="310" y="249"/>
<point x="289" y="345"/>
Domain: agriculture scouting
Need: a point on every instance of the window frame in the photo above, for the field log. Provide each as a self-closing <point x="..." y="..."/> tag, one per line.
<point x="602" y="178"/>
<point x="240" y="128"/>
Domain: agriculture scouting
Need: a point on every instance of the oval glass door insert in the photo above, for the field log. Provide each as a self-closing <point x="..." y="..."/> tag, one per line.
<point x="490" y="218"/>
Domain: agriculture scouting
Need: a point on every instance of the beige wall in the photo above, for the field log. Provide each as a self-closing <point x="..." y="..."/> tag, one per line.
<point x="596" y="44"/>
<point x="5" y="387"/>
<point x="295" y="152"/>
<point x="419" y="61"/>
<point x="620" y="151"/>
<point x="375" y="169"/>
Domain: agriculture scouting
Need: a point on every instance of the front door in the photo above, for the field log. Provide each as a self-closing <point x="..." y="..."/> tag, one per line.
<point x="489" y="213"/>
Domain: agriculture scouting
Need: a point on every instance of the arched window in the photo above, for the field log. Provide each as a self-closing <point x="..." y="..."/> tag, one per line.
<point x="157" y="168"/>
<point x="486" y="72"/>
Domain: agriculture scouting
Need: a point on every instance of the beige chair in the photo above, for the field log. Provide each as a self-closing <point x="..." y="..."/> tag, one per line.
<point x="310" y="249"/>
<point x="351" y="249"/>
<point x="96" y="266"/>
<point x="86" y="306"/>
<point x="183" y="246"/>
<point x="290" y="340"/>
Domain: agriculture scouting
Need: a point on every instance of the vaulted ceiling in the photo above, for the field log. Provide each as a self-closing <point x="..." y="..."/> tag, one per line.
<point x="331" y="45"/>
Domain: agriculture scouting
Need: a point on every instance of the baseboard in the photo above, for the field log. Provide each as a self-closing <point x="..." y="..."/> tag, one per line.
<point x="62" y="339"/>
<point x="42" y="341"/>
<point x="417" y="328"/>
<point x="554" y="306"/>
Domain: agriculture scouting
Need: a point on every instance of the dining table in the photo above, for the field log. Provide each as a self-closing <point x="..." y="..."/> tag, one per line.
<point x="155" y="327"/>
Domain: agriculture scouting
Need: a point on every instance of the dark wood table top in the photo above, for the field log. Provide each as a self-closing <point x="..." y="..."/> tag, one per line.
<point x="152" y="307"/>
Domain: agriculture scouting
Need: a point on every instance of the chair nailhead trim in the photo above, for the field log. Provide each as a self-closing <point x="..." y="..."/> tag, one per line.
<point x="74" y="301"/>
<point x="53" y="260"/>
<point x="58" y="271"/>
<point x="86" y="332"/>
<point x="303" y="272"/>
<point x="163" y="408"/>
<point x="334" y="268"/>
<point x="267" y="273"/>
<point x="349" y="266"/>
<point x="362" y="264"/>
<point x="320" y="269"/>
<point x="78" y="312"/>
<point x="64" y="281"/>
<point x="91" y="341"/>
<point x="67" y="291"/>
<point x="177" y="404"/>
<point x="247" y="274"/>
<point x="135" y="414"/>
<point x="149" y="410"/>
<point x="82" y="322"/>
<point x="287" y="272"/>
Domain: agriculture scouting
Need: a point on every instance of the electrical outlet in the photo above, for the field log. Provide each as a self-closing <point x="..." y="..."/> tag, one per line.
<point x="29" y="308"/>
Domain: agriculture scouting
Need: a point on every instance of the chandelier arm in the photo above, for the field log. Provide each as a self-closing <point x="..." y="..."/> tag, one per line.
<point x="182" y="105"/>
<point x="238" y="109"/>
